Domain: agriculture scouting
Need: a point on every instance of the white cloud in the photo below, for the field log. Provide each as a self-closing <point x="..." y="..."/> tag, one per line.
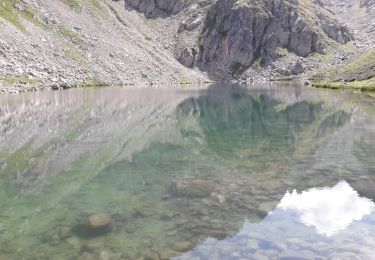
<point x="329" y="210"/>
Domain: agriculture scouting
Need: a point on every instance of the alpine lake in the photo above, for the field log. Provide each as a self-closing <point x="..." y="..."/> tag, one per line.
<point x="224" y="172"/>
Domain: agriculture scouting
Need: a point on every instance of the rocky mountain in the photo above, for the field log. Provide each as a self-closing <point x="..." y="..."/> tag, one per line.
<point x="237" y="33"/>
<point x="66" y="43"/>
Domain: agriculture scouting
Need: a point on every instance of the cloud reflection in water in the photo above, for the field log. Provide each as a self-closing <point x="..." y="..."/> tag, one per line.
<point x="287" y="230"/>
<point x="329" y="210"/>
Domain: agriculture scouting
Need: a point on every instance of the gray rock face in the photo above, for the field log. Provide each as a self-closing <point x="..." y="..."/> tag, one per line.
<point x="156" y="7"/>
<point x="188" y="57"/>
<point x="238" y="33"/>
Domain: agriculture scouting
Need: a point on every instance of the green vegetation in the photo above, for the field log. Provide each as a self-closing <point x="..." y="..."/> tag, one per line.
<point x="185" y="82"/>
<point x="72" y="53"/>
<point x="11" y="81"/>
<point x="91" y="83"/>
<point x="74" y="5"/>
<point x="13" y="10"/>
<point x="361" y="68"/>
<point x="72" y="36"/>
<point x="78" y="5"/>
<point x="358" y="73"/>
<point x="364" y="85"/>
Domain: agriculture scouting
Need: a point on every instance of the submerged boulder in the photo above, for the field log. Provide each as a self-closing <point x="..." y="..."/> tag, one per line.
<point x="95" y="225"/>
<point x="100" y="221"/>
<point x="192" y="188"/>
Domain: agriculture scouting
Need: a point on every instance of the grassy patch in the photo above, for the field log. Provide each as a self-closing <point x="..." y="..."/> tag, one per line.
<point x="73" y="5"/>
<point x="78" y="6"/>
<point x="11" y="81"/>
<point x="358" y="73"/>
<point x="185" y="82"/>
<point x="363" y="85"/>
<point x="72" y="36"/>
<point x="327" y="58"/>
<point x="91" y="83"/>
<point x="13" y="10"/>
<point x="72" y="53"/>
<point x="361" y="68"/>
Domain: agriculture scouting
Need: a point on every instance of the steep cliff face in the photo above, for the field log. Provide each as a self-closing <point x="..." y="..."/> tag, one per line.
<point x="239" y="32"/>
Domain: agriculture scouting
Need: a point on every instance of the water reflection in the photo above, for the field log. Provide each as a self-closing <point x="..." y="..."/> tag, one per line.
<point x="166" y="171"/>
<point x="329" y="210"/>
<point x="303" y="225"/>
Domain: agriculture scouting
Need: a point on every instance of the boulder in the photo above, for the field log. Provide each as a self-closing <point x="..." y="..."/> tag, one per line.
<point x="187" y="57"/>
<point x="181" y="246"/>
<point x="192" y="188"/>
<point x="100" y="221"/>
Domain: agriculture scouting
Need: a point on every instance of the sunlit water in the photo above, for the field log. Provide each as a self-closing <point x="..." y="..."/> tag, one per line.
<point x="268" y="172"/>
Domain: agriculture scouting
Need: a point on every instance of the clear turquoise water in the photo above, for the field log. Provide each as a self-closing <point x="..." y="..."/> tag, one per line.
<point x="265" y="172"/>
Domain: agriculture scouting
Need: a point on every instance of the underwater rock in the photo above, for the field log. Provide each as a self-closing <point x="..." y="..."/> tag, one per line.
<point x="151" y="255"/>
<point x="87" y="256"/>
<point x="105" y="255"/>
<point x="92" y="246"/>
<point x="95" y="225"/>
<point x="131" y="226"/>
<point x="266" y="207"/>
<point x="64" y="232"/>
<point x="181" y="246"/>
<point x="74" y="242"/>
<point x="100" y="221"/>
<point x="165" y="254"/>
<point x="143" y="212"/>
<point x="192" y="188"/>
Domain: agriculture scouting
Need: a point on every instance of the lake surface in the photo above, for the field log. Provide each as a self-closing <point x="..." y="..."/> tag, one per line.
<point x="264" y="172"/>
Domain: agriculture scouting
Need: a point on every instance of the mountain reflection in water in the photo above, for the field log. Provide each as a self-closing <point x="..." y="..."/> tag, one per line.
<point x="217" y="173"/>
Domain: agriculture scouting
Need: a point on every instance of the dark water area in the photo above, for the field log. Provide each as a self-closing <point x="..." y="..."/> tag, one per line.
<point x="266" y="172"/>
